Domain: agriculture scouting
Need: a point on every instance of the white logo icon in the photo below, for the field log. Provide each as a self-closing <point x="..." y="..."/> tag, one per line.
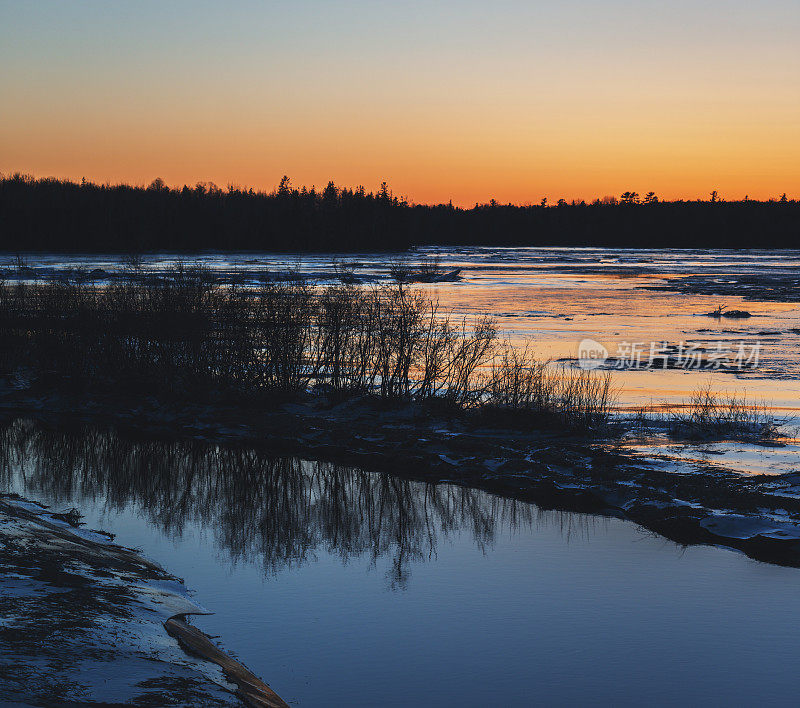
<point x="591" y="354"/>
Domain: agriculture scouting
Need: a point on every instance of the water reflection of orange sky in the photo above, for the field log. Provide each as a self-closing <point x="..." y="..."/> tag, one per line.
<point x="551" y="312"/>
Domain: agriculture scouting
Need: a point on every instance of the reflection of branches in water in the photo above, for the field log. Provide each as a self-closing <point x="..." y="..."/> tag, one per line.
<point x="570" y="524"/>
<point x="274" y="509"/>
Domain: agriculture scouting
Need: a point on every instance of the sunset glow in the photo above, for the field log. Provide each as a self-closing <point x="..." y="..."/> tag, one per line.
<point x="464" y="101"/>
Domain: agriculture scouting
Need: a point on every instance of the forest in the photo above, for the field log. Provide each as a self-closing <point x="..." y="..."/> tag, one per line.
<point x="64" y="216"/>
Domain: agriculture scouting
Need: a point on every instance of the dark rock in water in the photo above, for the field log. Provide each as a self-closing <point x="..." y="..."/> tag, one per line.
<point x="425" y="274"/>
<point x="731" y="314"/>
<point x="433" y="276"/>
<point x="97" y="274"/>
<point x="448" y="277"/>
<point x="72" y="517"/>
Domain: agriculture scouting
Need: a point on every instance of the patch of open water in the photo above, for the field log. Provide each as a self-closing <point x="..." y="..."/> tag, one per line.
<point x="344" y="587"/>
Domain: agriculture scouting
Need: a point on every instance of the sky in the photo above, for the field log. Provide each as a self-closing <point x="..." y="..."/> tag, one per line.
<point x="463" y="101"/>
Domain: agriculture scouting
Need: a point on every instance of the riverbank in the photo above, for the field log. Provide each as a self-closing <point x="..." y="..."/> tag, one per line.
<point x="554" y="469"/>
<point x="86" y="621"/>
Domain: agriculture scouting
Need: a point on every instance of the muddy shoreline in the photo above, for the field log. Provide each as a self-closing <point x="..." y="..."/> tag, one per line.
<point x="548" y="467"/>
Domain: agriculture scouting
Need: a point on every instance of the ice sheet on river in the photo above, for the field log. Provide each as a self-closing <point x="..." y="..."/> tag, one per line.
<point x="81" y="621"/>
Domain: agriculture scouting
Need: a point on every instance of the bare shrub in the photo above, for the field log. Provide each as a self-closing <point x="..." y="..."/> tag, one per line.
<point x="710" y="415"/>
<point x="186" y="334"/>
<point x="571" y="397"/>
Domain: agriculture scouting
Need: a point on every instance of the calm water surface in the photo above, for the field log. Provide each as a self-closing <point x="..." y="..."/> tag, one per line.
<point x="343" y="587"/>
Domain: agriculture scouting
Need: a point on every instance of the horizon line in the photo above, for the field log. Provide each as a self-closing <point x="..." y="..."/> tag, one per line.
<point x="713" y="196"/>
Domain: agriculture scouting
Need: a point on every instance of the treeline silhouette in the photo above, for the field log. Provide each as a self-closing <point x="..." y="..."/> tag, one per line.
<point x="60" y="215"/>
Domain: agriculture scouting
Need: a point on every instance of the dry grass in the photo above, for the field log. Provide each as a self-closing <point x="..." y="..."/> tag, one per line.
<point x="709" y="415"/>
<point x="581" y="399"/>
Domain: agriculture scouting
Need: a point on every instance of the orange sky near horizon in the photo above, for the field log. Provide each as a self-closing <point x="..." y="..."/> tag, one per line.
<point x="514" y="102"/>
